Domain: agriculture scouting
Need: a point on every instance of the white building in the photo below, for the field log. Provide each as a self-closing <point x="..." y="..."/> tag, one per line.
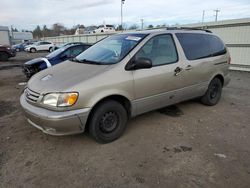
<point x="236" y="35"/>
<point x="4" y="35"/>
<point x="19" y="37"/>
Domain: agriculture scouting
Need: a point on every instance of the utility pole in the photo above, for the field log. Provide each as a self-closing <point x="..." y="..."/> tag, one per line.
<point x="203" y="16"/>
<point x="141" y="24"/>
<point x="122" y="2"/>
<point x="216" y="14"/>
<point x="12" y="35"/>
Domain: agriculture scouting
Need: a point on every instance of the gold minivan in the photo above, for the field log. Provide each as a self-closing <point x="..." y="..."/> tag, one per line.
<point x="123" y="76"/>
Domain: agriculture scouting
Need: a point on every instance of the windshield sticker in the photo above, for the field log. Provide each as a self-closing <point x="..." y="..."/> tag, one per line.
<point x="133" y="38"/>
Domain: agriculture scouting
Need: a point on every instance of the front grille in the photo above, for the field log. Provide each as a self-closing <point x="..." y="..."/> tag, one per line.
<point x="31" y="95"/>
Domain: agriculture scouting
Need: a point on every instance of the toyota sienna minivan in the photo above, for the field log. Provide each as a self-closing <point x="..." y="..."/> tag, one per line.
<point x="123" y="76"/>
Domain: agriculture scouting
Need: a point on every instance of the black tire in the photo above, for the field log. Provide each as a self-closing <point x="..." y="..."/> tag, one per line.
<point x="18" y="50"/>
<point x="32" y="50"/>
<point x="4" y="56"/>
<point x="50" y="49"/>
<point x="213" y="93"/>
<point x="108" y="121"/>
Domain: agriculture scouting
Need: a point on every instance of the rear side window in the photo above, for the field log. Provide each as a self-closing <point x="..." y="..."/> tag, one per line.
<point x="198" y="46"/>
<point x="44" y="43"/>
<point x="217" y="46"/>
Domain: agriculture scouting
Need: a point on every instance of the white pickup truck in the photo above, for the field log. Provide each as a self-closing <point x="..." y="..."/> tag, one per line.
<point x="104" y="29"/>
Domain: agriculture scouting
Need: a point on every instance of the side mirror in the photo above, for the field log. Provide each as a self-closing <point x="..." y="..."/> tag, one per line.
<point x="141" y="63"/>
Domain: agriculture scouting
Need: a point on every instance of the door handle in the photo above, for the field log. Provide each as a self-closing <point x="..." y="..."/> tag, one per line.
<point x="177" y="71"/>
<point x="189" y="67"/>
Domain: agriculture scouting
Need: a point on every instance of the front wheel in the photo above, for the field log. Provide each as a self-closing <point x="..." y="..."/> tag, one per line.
<point x="4" y="56"/>
<point x="108" y="121"/>
<point x="213" y="93"/>
<point x="32" y="50"/>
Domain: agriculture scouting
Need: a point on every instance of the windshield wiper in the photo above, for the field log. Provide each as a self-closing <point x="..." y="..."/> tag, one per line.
<point x="87" y="61"/>
<point x="74" y="60"/>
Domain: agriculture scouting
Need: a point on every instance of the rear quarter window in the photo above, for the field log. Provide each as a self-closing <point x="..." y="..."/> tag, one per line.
<point x="198" y="46"/>
<point x="216" y="45"/>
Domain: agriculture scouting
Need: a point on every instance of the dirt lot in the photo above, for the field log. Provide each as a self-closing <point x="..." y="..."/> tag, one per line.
<point x="187" y="145"/>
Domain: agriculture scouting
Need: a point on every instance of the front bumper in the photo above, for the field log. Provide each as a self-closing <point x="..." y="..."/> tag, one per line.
<point x="55" y="123"/>
<point x="29" y="70"/>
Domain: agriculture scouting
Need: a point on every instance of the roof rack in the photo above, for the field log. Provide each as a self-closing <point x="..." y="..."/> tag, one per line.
<point x="188" y="28"/>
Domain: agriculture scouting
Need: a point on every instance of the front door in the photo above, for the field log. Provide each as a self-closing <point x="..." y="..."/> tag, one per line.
<point x="156" y="87"/>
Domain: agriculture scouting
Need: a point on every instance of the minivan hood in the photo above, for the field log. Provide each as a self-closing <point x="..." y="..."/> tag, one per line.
<point x="63" y="76"/>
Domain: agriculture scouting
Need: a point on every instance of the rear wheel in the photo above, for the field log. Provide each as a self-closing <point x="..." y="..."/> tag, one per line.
<point x="108" y="121"/>
<point x="32" y="50"/>
<point x="213" y="93"/>
<point x="18" y="50"/>
<point x="50" y="49"/>
<point x="4" y="56"/>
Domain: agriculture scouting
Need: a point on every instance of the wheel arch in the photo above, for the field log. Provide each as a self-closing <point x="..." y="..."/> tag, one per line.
<point x="124" y="101"/>
<point x="33" y="48"/>
<point x="220" y="77"/>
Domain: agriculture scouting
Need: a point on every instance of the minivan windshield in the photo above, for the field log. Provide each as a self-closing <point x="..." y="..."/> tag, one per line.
<point x="110" y="50"/>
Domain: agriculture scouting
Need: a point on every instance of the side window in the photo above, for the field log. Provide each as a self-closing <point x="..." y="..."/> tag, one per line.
<point x="75" y="51"/>
<point x="86" y="47"/>
<point x="195" y="46"/>
<point x="217" y="46"/>
<point x="66" y="53"/>
<point x="160" y="49"/>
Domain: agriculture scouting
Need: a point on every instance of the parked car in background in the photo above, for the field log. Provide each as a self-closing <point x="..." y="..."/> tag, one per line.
<point x="62" y="54"/>
<point x="104" y="29"/>
<point x="21" y="46"/>
<point x="66" y="44"/>
<point x="6" y="52"/>
<point x="40" y="46"/>
<point x="126" y="75"/>
<point x="89" y="29"/>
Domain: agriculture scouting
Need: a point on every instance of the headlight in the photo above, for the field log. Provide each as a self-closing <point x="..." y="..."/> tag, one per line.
<point x="60" y="99"/>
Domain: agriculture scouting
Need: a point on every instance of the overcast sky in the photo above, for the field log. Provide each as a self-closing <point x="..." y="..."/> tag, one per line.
<point x="26" y="14"/>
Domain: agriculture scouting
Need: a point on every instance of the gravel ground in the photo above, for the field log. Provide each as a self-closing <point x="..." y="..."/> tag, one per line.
<point x="187" y="145"/>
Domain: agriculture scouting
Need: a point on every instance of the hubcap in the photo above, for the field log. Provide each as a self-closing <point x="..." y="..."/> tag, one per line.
<point x="109" y="122"/>
<point x="214" y="91"/>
